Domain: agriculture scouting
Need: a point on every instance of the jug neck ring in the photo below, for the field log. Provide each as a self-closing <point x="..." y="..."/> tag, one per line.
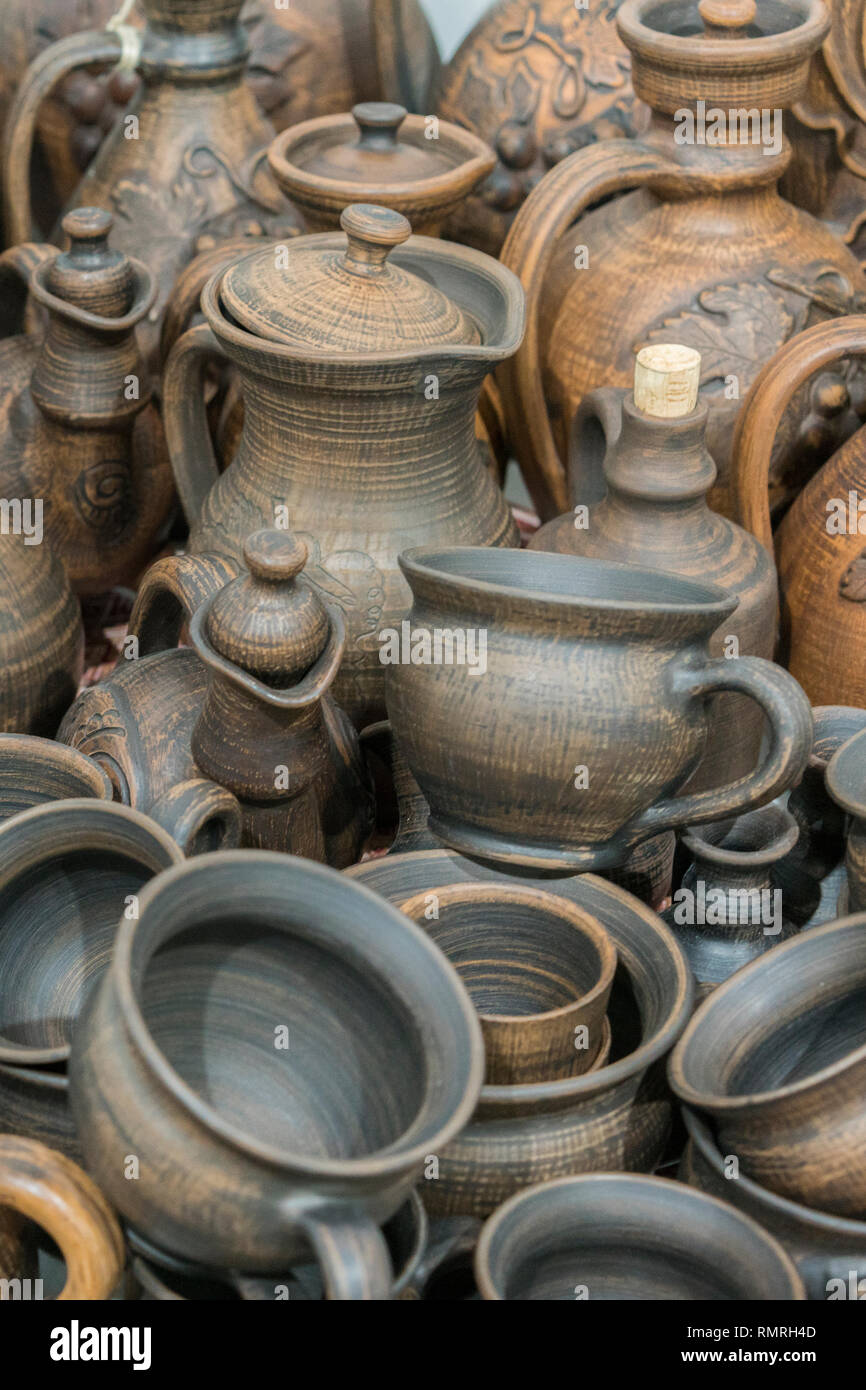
<point x="659" y="462"/>
<point x="184" y="59"/>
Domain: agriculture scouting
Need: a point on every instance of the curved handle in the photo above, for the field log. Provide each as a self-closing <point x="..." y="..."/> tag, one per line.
<point x="789" y="715"/>
<point x="352" y="1252"/>
<point x="17" y="266"/>
<point x="596" y="427"/>
<point x="200" y="816"/>
<point x="185" y="414"/>
<point x="170" y="592"/>
<point x="611" y="166"/>
<point x="51" y="1190"/>
<point x="769" y="397"/>
<point x="77" y="51"/>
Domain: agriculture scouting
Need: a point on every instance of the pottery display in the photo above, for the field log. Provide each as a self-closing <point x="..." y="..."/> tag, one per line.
<point x="846" y="783"/>
<point x="619" y="1236"/>
<point x="41" y="636"/>
<point x="616" y="1117"/>
<point x="531" y="760"/>
<point x="819" y="546"/>
<point x="385" y="1065"/>
<point x="538" y="969"/>
<point x="730" y="907"/>
<point x="363" y="363"/>
<point x="187" y="163"/>
<point x="536" y="79"/>
<point x="45" y="1187"/>
<point x="78" y="429"/>
<point x="829" y="1251"/>
<point x="236" y="741"/>
<point x="776" y="1058"/>
<point x="642" y="460"/>
<point x="34" y="771"/>
<point x="702" y="252"/>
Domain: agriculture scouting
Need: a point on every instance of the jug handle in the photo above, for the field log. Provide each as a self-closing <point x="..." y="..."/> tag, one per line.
<point x="200" y="816"/>
<point x="610" y="166"/>
<point x="354" y="1258"/>
<point x="186" y="424"/>
<point x="186" y="295"/>
<point x="48" y="1188"/>
<point x="599" y="413"/>
<point x="78" y="51"/>
<point x="170" y="592"/>
<point x="769" y="397"/>
<point x="789" y="716"/>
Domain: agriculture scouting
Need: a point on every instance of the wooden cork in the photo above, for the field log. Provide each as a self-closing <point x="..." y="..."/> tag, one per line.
<point x="666" y="380"/>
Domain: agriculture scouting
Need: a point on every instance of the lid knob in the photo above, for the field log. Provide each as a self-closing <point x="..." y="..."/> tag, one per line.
<point x="274" y="556"/>
<point x="87" y="229"/>
<point x="666" y="380"/>
<point x="379" y="123"/>
<point x="726" y="19"/>
<point x="372" y="234"/>
<point x="90" y="275"/>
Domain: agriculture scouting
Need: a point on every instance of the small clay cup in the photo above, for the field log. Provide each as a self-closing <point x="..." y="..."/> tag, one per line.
<point x="620" y="1236"/>
<point x="538" y="969"/>
<point x="34" y="771"/>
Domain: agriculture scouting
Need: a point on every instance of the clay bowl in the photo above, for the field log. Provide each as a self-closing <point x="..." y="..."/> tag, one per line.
<point x="616" y="1117"/>
<point x="538" y="969"/>
<point x="34" y="771"/>
<point x="69" y="871"/>
<point x="283" y="1046"/>
<point x="829" y="1251"/>
<point x="617" y="1236"/>
<point x="776" y="1057"/>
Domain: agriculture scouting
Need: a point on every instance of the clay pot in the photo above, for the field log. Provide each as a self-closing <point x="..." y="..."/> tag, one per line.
<point x="819" y="543"/>
<point x="705" y="253"/>
<point x="536" y="80"/>
<point x="377" y="153"/>
<point x="821" y="822"/>
<point x="730" y="907"/>
<point x="829" y="1251"/>
<point x="45" y="1187"/>
<point x="643" y="459"/>
<point x="34" y="1103"/>
<point x="532" y="760"/>
<point x="538" y="970"/>
<point x="165" y="1279"/>
<point x="230" y="953"/>
<point x="776" y="1056"/>
<point x="614" y="1236"/>
<point x="617" y="1117"/>
<point x="41" y="639"/>
<point x="331" y="351"/>
<point x="34" y="771"/>
<point x="78" y="429"/>
<point x="846" y="783"/>
<point x="69" y="871"/>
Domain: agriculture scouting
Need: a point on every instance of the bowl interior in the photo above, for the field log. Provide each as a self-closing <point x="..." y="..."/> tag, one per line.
<point x="290" y="1043"/>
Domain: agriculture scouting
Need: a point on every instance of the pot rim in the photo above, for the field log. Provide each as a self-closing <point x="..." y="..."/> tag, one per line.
<point x="60" y="755"/>
<point x="392" y="1161"/>
<point x="766" y="53"/>
<point x="646" y="1183"/>
<point x="838" y="776"/>
<point x="785" y="836"/>
<point x="716" y="1104"/>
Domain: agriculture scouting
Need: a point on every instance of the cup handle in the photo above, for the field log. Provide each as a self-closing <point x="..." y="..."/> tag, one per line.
<point x="352" y="1253"/>
<point x="185" y="416"/>
<point x="790" y="718"/>
<point x="595" y="429"/>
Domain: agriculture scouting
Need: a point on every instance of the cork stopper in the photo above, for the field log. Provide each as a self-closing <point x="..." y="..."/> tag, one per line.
<point x="89" y="274"/>
<point x="667" y="377"/>
<point x="270" y="622"/>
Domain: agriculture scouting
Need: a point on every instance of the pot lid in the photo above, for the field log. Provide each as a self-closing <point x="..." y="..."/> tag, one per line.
<point x="353" y="300"/>
<point x="267" y="621"/>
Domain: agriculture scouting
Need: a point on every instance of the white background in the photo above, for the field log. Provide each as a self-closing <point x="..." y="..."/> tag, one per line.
<point x="451" y="20"/>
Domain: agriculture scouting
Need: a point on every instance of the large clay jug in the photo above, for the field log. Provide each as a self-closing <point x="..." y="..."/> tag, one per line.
<point x="41" y="636"/>
<point x="705" y="251"/>
<point x="361" y="366"/>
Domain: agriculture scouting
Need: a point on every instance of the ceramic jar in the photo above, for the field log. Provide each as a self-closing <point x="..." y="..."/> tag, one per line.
<point x="41" y="637"/>
<point x="626" y="1237"/>
<point x="703" y="251"/>
<point x="361" y="366"/>
<point x="642" y="459"/>
<point x="846" y="783"/>
<point x="776" y="1058"/>
<point x="537" y="751"/>
<point x="230" y="954"/>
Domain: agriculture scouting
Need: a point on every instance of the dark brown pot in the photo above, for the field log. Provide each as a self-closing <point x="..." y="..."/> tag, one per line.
<point x="618" y="1117"/>
<point x="180" y="1048"/>
<point x="538" y="969"/>
<point x="776" y="1056"/>
<point x="34" y="1103"/>
<point x="41" y="639"/>
<point x="34" y="771"/>
<point x="615" y="1236"/>
<point x="829" y="1251"/>
<point x="846" y="783"/>
<point x="591" y="668"/>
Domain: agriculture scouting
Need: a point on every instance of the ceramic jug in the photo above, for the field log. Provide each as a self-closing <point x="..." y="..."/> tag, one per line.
<point x="79" y="432"/>
<point x="642" y="459"/>
<point x="361" y="366"/>
<point x="188" y="161"/>
<point x="703" y="251"/>
<point x="41" y="637"/>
